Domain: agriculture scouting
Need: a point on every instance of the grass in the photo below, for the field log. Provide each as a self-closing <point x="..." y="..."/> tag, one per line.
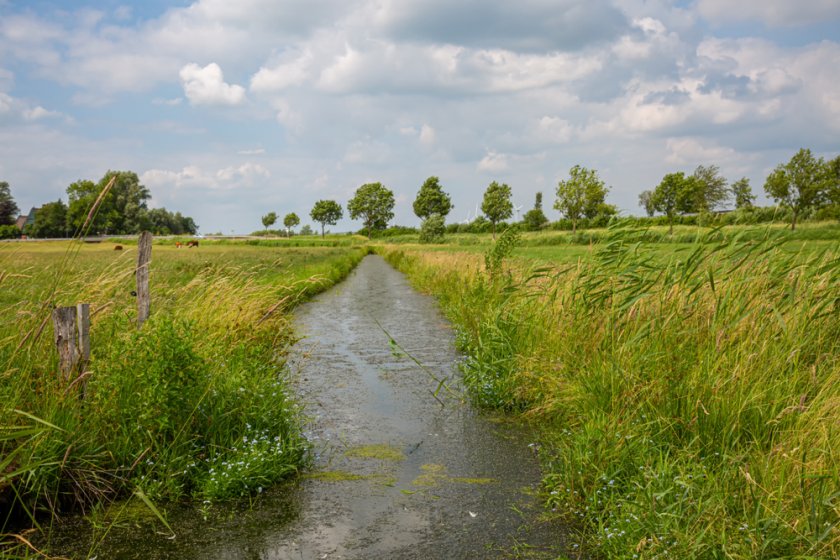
<point x="689" y="399"/>
<point x="193" y="405"/>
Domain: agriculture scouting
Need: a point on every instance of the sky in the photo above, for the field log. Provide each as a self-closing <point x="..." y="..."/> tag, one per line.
<point x="228" y="110"/>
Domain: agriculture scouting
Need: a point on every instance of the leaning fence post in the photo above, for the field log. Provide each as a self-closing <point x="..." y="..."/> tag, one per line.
<point x="83" y="324"/>
<point x="64" y="323"/>
<point x="144" y="255"/>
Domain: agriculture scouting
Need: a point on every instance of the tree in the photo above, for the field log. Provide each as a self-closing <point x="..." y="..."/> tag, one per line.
<point x="290" y="221"/>
<point x="269" y="219"/>
<point x="646" y="202"/>
<point x="374" y="204"/>
<point x="709" y="189"/>
<point x="743" y="193"/>
<point x="833" y="191"/>
<point x="496" y="204"/>
<point x="535" y="218"/>
<point x="306" y="230"/>
<point x="432" y="200"/>
<point x="326" y="212"/>
<point x="122" y="209"/>
<point x="799" y="184"/>
<point x="50" y="221"/>
<point x="581" y="195"/>
<point x="667" y="195"/>
<point x="8" y="208"/>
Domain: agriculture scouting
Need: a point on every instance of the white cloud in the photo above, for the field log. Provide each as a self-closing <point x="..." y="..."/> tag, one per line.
<point x="493" y="162"/>
<point x="193" y="177"/>
<point x="691" y="151"/>
<point x="771" y="12"/>
<point x="206" y="86"/>
<point x="282" y="75"/>
<point x="252" y="152"/>
<point x="39" y="112"/>
<point x="555" y="129"/>
<point x="427" y="135"/>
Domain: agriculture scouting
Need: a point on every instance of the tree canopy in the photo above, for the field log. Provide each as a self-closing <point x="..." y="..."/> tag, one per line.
<point x="269" y="219"/>
<point x="8" y="208"/>
<point x="496" y="204"/>
<point x="799" y="184"/>
<point x="291" y="221"/>
<point x="326" y="212"/>
<point x="432" y="200"/>
<point x="646" y="202"/>
<point x="122" y="209"/>
<point x="742" y="192"/>
<point x="535" y="218"/>
<point x="373" y="203"/>
<point x="50" y="221"/>
<point x="581" y="195"/>
<point x="668" y="194"/>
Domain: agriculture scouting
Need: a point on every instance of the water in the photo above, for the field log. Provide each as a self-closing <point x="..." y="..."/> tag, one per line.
<point x="404" y="467"/>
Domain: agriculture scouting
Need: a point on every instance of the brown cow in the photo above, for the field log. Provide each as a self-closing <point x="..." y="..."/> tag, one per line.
<point x="193" y="243"/>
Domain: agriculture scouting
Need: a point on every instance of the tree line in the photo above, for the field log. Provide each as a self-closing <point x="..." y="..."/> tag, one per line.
<point x="123" y="210"/>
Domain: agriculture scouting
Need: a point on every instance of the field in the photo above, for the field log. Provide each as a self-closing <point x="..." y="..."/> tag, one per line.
<point x="193" y="404"/>
<point x="688" y="393"/>
<point x="686" y="388"/>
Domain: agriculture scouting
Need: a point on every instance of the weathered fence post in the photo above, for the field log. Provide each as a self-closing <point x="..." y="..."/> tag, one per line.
<point x="83" y="323"/>
<point x="144" y="255"/>
<point x="64" y="323"/>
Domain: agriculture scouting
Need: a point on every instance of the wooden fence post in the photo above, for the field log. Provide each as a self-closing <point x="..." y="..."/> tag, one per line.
<point x="144" y="255"/>
<point x="72" y="338"/>
<point x="64" y="323"/>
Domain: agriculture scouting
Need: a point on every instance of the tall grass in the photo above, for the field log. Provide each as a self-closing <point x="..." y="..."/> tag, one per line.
<point x="691" y="409"/>
<point x="193" y="404"/>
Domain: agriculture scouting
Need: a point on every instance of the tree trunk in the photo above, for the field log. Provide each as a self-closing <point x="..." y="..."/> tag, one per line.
<point x="574" y="225"/>
<point x="494" y="231"/>
<point x="670" y="225"/>
<point x="322" y="230"/>
<point x="793" y="223"/>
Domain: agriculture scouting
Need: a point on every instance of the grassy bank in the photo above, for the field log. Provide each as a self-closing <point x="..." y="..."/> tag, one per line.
<point x="690" y="401"/>
<point x="193" y="404"/>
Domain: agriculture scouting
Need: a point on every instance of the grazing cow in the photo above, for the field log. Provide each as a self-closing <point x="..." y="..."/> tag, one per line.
<point x="177" y="244"/>
<point x="193" y="243"/>
<point x="118" y="247"/>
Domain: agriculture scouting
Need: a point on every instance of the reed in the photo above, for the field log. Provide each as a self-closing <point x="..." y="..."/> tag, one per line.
<point x="689" y="405"/>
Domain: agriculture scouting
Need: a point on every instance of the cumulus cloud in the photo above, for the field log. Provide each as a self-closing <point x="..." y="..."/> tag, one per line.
<point x="193" y="177"/>
<point x="206" y="86"/>
<point x="493" y="163"/>
<point x="770" y="12"/>
<point x="283" y="74"/>
<point x="427" y="135"/>
<point x="526" y="25"/>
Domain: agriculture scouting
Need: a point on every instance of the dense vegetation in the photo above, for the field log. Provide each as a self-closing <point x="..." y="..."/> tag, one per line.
<point x="687" y="392"/>
<point x="193" y="404"/>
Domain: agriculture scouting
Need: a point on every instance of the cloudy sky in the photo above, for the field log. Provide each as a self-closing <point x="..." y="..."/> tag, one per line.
<point x="230" y="109"/>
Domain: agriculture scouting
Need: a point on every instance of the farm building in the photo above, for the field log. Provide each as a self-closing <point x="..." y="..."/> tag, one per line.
<point x="27" y="220"/>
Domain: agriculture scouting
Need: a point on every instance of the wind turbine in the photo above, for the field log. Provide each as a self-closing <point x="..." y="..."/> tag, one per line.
<point x="518" y="210"/>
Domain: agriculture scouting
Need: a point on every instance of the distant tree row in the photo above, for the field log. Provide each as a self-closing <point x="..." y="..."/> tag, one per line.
<point x="804" y="183"/>
<point x="122" y="210"/>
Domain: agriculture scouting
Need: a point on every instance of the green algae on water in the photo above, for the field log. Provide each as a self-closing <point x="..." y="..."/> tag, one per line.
<point x="377" y="451"/>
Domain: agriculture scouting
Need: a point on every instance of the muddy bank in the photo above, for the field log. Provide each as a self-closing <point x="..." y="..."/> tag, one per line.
<point x="404" y="468"/>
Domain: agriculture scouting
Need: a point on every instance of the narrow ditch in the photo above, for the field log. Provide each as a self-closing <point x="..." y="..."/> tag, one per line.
<point x="404" y="468"/>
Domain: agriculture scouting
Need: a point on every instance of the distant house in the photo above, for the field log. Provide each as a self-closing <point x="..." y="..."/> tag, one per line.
<point x="27" y="220"/>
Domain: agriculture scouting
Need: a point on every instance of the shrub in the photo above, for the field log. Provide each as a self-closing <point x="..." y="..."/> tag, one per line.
<point x="432" y="229"/>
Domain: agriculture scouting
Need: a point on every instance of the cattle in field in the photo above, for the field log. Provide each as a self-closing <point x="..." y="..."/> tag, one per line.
<point x="177" y="244"/>
<point x="193" y="243"/>
<point x="118" y="247"/>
